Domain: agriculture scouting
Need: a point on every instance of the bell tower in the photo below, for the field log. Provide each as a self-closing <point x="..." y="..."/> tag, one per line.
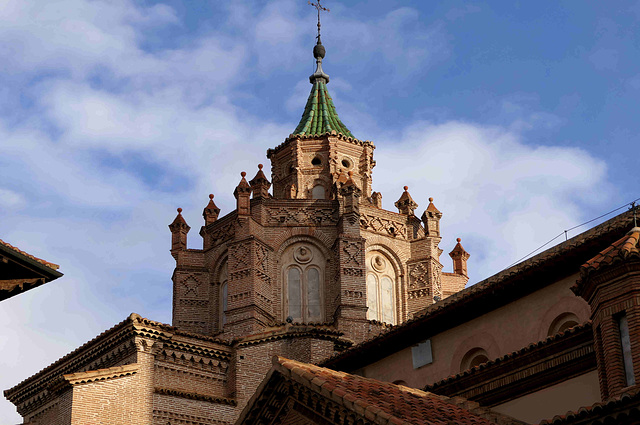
<point x="316" y="159"/>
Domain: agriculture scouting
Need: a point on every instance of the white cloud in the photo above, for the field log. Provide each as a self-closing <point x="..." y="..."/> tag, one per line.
<point x="11" y="200"/>
<point x="502" y="196"/>
<point x="101" y="97"/>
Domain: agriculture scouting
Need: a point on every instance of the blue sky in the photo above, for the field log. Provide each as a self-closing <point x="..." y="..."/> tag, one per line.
<point x="519" y="118"/>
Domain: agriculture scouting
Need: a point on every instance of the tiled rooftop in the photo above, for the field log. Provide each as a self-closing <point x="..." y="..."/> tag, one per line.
<point x="529" y="348"/>
<point x="320" y="114"/>
<point x="383" y="402"/>
<point x="39" y="260"/>
<point x="620" y="249"/>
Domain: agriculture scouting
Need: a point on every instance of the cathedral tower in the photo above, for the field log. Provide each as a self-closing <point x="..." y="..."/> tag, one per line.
<point x="320" y="250"/>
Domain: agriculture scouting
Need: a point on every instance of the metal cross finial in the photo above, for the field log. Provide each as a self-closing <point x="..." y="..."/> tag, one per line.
<point x="633" y="208"/>
<point x="319" y="7"/>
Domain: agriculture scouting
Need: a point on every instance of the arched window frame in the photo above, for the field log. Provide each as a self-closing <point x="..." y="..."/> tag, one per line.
<point x="318" y="191"/>
<point x="304" y="270"/>
<point x="473" y="358"/>
<point x="563" y="322"/>
<point x="376" y="291"/>
<point x="223" y="293"/>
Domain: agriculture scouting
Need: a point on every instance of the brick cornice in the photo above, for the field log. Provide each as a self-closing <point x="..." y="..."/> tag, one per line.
<point x="114" y="345"/>
<point x="101" y="374"/>
<point x="291" y="332"/>
<point x="196" y="396"/>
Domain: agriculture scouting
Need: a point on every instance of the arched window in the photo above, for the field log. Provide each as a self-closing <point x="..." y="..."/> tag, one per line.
<point x="562" y="323"/>
<point x="381" y="281"/>
<point x="224" y="294"/>
<point x="318" y="192"/>
<point x="473" y="358"/>
<point x="303" y="276"/>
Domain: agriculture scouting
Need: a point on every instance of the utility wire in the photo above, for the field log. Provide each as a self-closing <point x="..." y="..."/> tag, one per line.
<point x="632" y="204"/>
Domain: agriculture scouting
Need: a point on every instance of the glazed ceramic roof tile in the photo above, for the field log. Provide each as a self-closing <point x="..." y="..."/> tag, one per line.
<point x="320" y="114"/>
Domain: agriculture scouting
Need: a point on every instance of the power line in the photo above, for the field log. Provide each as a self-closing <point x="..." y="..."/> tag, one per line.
<point x="632" y="204"/>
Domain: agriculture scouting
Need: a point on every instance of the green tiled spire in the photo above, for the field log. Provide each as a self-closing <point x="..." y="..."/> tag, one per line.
<point x="320" y="114"/>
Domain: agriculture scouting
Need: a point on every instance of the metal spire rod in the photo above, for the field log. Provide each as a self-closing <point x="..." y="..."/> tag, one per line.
<point x="319" y="7"/>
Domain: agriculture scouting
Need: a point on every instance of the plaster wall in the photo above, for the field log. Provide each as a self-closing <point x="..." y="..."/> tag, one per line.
<point x="570" y="395"/>
<point x="499" y="332"/>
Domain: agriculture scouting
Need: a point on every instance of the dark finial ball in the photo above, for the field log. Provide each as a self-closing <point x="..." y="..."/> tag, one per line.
<point x="406" y="188"/>
<point x="211" y="196"/>
<point x="243" y="174"/>
<point x="458" y="240"/>
<point x="319" y="51"/>
<point x="430" y="199"/>
<point x="179" y="210"/>
<point x="260" y="166"/>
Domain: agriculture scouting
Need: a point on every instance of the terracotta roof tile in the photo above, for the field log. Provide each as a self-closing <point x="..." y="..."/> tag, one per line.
<point x="394" y="403"/>
<point x="619" y="250"/>
<point x="528" y="348"/>
<point x="19" y="251"/>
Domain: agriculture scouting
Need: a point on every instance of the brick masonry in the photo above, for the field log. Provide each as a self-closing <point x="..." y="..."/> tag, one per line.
<point x="204" y="368"/>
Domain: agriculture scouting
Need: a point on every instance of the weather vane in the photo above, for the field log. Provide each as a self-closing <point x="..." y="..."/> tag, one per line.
<point x="319" y="7"/>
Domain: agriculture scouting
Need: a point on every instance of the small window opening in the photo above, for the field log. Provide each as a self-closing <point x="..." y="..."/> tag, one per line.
<point x="346" y="163"/>
<point x="318" y="192"/>
<point x="316" y="161"/>
<point x="625" y="340"/>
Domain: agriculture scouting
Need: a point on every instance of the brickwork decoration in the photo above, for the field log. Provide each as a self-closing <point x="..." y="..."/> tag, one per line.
<point x="610" y="283"/>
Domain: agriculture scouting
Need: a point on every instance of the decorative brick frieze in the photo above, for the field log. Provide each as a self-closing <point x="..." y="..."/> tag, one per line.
<point x="353" y="294"/>
<point x="163" y="417"/>
<point x="302" y="216"/>
<point x="383" y="226"/>
<point x="419" y="293"/>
